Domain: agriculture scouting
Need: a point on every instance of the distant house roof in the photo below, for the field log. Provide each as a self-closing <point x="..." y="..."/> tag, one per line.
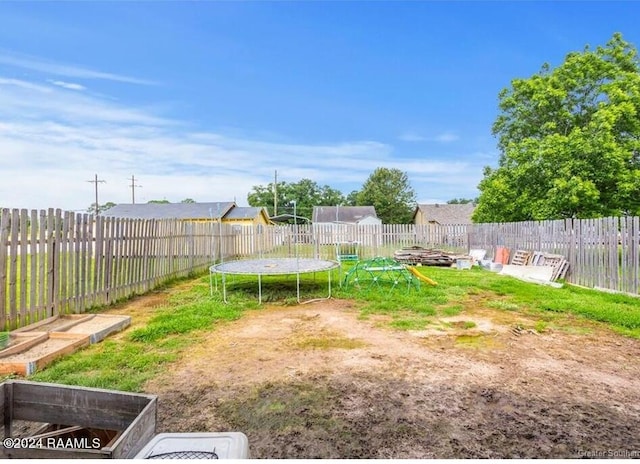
<point x="343" y="214"/>
<point x="196" y="211"/>
<point x="447" y="213"/>
<point x="245" y="212"/>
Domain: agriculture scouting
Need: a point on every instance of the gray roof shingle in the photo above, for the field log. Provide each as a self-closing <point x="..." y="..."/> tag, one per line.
<point x="448" y="213"/>
<point x="211" y="210"/>
<point x="344" y="214"/>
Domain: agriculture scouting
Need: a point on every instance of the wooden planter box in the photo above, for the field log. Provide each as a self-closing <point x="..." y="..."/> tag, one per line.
<point x="19" y="342"/>
<point x="26" y="358"/>
<point x="96" y="326"/>
<point x="99" y="326"/>
<point x="55" y="323"/>
<point x="74" y="422"/>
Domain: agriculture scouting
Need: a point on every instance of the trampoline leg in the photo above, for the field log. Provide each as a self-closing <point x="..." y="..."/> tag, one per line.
<point x="224" y="288"/>
<point x="210" y="284"/>
<point x="260" y="288"/>
<point x="298" y="286"/>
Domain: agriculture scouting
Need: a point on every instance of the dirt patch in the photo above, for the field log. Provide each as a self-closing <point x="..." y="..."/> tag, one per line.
<point x="317" y="381"/>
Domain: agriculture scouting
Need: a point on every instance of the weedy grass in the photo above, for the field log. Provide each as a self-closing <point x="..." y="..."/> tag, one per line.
<point x="128" y="362"/>
<point x="192" y="312"/>
<point x="620" y="312"/>
<point x="456" y="287"/>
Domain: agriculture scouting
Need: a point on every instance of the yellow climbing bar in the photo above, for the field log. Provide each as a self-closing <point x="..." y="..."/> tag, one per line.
<point x="421" y="276"/>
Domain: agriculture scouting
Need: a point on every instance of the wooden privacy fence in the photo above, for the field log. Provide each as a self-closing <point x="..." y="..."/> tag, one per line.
<point x="602" y="253"/>
<point x="321" y="241"/>
<point x="55" y="263"/>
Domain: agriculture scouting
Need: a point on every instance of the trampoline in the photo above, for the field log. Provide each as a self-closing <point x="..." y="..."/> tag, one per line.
<point x="270" y="267"/>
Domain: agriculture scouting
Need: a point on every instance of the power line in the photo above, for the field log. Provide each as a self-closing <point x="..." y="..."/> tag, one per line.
<point x="96" y="181"/>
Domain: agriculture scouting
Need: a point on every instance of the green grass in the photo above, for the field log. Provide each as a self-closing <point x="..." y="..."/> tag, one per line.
<point x="454" y="310"/>
<point x="620" y="312"/>
<point x="127" y="362"/>
<point x="410" y="323"/>
<point x="504" y="305"/>
<point x="111" y="364"/>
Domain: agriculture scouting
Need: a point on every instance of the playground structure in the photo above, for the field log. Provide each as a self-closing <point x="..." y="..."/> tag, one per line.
<point x="420" y="276"/>
<point x="346" y="252"/>
<point x="386" y="271"/>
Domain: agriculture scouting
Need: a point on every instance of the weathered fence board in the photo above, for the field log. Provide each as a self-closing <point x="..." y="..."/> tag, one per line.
<point x="55" y="263"/>
<point x="33" y="278"/>
<point x="5" y="225"/>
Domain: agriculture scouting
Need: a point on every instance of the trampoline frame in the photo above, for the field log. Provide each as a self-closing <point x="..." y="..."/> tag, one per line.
<point x="269" y="267"/>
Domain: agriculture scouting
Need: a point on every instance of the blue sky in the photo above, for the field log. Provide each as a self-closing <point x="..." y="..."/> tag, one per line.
<point x="203" y="100"/>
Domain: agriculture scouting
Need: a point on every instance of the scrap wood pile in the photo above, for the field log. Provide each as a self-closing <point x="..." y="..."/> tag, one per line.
<point x="538" y="258"/>
<point x="426" y="256"/>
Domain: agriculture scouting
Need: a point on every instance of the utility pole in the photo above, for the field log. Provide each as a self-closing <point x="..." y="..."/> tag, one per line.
<point x="133" y="189"/>
<point x="275" y="194"/>
<point x="96" y="182"/>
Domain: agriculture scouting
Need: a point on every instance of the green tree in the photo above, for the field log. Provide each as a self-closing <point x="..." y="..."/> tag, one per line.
<point x="161" y="202"/>
<point x="390" y="192"/>
<point x="305" y="193"/>
<point x="101" y="208"/>
<point x="188" y="200"/>
<point x="263" y="195"/>
<point x="330" y="196"/>
<point x="352" y="198"/>
<point x="460" y="201"/>
<point x="569" y="140"/>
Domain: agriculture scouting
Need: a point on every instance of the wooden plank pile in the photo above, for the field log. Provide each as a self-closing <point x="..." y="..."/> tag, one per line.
<point x="426" y="256"/>
<point x="538" y="258"/>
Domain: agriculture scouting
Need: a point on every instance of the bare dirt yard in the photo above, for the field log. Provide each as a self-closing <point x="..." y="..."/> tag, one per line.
<point x="320" y="381"/>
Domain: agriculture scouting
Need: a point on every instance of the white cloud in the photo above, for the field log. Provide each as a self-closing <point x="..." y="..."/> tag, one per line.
<point x="21" y="99"/>
<point x="52" y="142"/>
<point x="38" y="64"/>
<point x="68" y="85"/>
<point x="444" y="137"/>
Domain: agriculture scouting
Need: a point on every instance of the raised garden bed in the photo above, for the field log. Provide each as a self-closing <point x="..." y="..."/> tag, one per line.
<point x="55" y="323"/>
<point x="96" y="326"/>
<point x="18" y="342"/>
<point x="100" y="326"/>
<point x="34" y="346"/>
<point x="26" y="358"/>
<point x="43" y="420"/>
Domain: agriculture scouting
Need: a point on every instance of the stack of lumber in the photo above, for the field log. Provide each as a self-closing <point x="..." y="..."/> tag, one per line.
<point x="538" y="258"/>
<point x="426" y="256"/>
